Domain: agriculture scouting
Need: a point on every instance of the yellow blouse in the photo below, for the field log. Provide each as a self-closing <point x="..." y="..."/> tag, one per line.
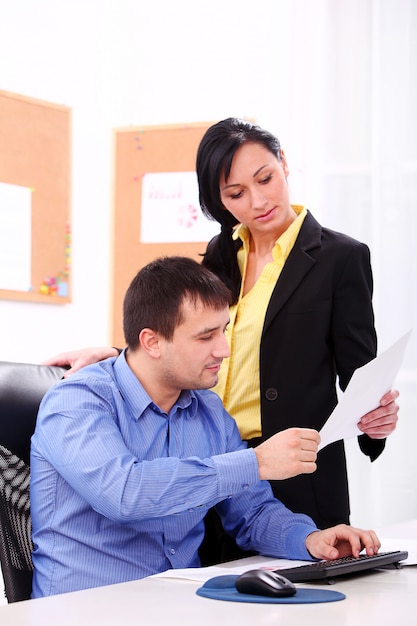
<point x="239" y="385"/>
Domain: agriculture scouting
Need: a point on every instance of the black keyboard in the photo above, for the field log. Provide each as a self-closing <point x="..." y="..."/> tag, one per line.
<point x="340" y="567"/>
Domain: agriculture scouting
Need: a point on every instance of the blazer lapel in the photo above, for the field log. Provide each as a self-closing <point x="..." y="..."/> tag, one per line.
<point x="298" y="264"/>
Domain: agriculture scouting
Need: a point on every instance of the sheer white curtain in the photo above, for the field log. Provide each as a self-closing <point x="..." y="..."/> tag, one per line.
<point x="354" y="98"/>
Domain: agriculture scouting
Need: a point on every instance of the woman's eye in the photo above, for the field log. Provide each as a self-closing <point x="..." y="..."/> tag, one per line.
<point x="234" y="196"/>
<point x="266" y="179"/>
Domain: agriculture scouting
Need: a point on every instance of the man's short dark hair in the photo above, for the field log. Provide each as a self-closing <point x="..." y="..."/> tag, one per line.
<point x="155" y="296"/>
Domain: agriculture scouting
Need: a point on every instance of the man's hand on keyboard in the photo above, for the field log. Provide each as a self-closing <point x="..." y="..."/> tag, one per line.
<point x="340" y="541"/>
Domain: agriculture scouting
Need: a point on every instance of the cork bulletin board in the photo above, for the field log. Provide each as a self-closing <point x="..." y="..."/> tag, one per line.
<point x="156" y="211"/>
<point x="35" y="231"/>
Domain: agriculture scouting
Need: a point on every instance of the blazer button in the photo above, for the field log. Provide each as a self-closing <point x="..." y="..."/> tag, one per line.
<point x="271" y="394"/>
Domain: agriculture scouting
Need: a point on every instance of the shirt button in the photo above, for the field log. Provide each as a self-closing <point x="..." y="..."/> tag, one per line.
<point x="172" y="551"/>
<point x="271" y="394"/>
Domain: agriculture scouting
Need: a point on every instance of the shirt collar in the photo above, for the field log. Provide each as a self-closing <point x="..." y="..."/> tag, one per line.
<point x="138" y="400"/>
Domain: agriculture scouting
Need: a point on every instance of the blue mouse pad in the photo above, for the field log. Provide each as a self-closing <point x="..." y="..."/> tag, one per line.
<point x="223" y="588"/>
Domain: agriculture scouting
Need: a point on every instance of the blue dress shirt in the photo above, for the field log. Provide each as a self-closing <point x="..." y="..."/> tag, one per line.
<point x="119" y="488"/>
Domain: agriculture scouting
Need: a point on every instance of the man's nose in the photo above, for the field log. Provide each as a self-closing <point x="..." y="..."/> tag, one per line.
<point x="222" y="349"/>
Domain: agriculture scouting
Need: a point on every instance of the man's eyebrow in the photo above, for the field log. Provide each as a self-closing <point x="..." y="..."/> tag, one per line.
<point x="207" y="331"/>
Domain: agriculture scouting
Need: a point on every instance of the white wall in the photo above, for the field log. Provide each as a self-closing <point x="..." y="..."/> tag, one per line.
<point x="306" y="70"/>
<point x="116" y="63"/>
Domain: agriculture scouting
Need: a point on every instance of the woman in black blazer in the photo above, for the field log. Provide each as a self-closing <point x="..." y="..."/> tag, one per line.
<point x="318" y="323"/>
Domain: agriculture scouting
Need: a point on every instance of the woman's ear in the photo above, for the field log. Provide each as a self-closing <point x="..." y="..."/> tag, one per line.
<point x="149" y="341"/>
<point x="284" y="164"/>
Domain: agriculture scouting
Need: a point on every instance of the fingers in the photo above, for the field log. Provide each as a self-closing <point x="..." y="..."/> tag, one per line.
<point x="76" y="359"/>
<point x="382" y="421"/>
<point x="389" y="397"/>
<point x="353" y="541"/>
<point x="309" y="442"/>
<point x="308" y="436"/>
<point x="387" y="406"/>
<point x="303" y="444"/>
<point x="341" y="541"/>
<point x="59" y="359"/>
<point x="374" y="543"/>
<point x="288" y="453"/>
<point x="379" y="430"/>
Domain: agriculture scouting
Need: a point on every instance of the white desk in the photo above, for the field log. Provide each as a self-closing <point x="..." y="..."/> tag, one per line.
<point x="379" y="598"/>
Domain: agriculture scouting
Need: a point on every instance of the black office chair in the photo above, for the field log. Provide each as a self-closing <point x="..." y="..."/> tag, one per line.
<point x="22" y="386"/>
<point x="15" y="527"/>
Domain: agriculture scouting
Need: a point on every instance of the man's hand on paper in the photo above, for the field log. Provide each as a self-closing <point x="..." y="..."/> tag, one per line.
<point x="382" y="421"/>
<point x="288" y="453"/>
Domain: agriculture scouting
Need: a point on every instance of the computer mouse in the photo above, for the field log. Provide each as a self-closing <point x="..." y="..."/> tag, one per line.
<point x="261" y="582"/>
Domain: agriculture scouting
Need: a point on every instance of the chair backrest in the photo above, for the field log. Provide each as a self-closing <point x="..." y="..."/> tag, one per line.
<point x="22" y="387"/>
<point x="15" y="527"/>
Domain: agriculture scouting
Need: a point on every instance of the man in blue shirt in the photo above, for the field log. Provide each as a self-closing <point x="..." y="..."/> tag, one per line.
<point x="129" y="454"/>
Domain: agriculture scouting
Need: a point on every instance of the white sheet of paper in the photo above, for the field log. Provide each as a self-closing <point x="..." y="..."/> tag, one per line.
<point x="366" y="387"/>
<point x="390" y="545"/>
<point x="202" y="574"/>
<point x="15" y="237"/>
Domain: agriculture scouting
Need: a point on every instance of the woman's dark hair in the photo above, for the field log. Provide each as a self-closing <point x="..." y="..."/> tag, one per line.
<point x="214" y="158"/>
<point x="155" y="296"/>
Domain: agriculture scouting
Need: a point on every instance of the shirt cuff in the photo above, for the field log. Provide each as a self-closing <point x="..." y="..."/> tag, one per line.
<point x="236" y="471"/>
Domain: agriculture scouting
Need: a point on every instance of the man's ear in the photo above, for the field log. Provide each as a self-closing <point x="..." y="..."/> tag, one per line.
<point x="149" y="341"/>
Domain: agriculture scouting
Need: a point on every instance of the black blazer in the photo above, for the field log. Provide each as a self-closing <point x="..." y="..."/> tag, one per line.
<point x="319" y="326"/>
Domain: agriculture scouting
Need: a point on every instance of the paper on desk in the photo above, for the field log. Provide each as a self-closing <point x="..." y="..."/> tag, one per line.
<point x="202" y="574"/>
<point x="390" y="545"/>
<point x="366" y="387"/>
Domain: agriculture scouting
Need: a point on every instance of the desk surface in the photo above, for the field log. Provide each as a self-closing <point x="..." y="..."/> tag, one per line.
<point x="382" y="597"/>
